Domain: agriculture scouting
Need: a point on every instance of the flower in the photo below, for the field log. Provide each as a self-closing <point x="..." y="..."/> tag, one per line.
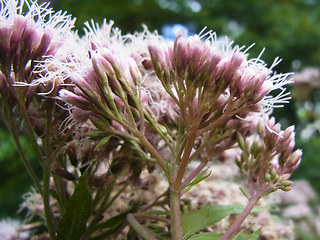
<point x="269" y="159"/>
<point x="199" y="74"/>
<point x="11" y="230"/>
<point x="28" y="32"/>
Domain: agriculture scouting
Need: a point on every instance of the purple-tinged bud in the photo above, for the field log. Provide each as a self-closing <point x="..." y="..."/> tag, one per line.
<point x="31" y="37"/>
<point x="233" y="64"/>
<point x="5" y="33"/>
<point x="119" y="102"/>
<point x="180" y="56"/>
<point x="94" y="45"/>
<point x="287" y="135"/>
<point x="101" y="65"/>
<point x="134" y="70"/>
<point x="80" y="115"/>
<point x="74" y="99"/>
<point x="117" y="126"/>
<point x="262" y="92"/>
<point x="294" y="160"/>
<point x="80" y="82"/>
<point x="20" y="23"/>
<point x="105" y="59"/>
<point x="161" y="61"/>
<point x="43" y="45"/>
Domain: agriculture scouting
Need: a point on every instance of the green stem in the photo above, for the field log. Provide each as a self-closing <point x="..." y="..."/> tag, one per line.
<point x="32" y="137"/>
<point x="46" y="200"/>
<point x="152" y="151"/>
<point x="26" y="162"/>
<point x="139" y="228"/>
<point x="47" y="175"/>
<point x="176" y="231"/>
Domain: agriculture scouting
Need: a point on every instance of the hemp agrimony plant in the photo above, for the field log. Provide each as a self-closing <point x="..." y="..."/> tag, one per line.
<point x="104" y="110"/>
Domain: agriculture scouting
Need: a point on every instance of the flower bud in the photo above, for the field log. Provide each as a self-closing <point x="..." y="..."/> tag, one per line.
<point x="43" y="45"/>
<point x="20" y="23"/>
<point x="294" y="160"/>
<point x="74" y="99"/>
<point x="5" y="33"/>
<point x="241" y="141"/>
<point x="267" y="176"/>
<point x="286" y="183"/>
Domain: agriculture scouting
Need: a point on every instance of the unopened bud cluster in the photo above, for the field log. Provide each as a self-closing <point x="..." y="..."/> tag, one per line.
<point x="269" y="159"/>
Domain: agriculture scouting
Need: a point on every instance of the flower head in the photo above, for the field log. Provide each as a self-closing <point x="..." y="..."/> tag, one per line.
<point x="269" y="160"/>
<point x="28" y="31"/>
<point x="203" y="73"/>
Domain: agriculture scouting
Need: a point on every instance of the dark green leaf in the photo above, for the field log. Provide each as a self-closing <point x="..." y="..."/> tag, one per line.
<point x="79" y="208"/>
<point x="117" y="220"/>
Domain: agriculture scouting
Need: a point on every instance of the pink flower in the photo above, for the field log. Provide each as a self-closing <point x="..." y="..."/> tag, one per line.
<point x="28" y="33"/>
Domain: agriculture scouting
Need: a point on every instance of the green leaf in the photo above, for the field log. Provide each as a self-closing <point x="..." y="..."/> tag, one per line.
<point x="217" y="236"/>
<point x="205" y="217"/>
<point x="252" y="236"/>
<point x="113" y="222"/>
<point x="73" y="223"/>
<point x="198" y="178"/>
<point x="206" y="236"/>
<point x="116" y="221"/>
<point x="103" y="141"/>
<point x="244" y="192"/>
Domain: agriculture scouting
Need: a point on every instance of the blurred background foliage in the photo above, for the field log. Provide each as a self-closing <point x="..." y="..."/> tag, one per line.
<point x="288" y="28"/>
<point x="14" y="179"/>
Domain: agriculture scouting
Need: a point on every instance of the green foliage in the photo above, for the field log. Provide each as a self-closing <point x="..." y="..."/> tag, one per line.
<point x="73" y="223"/>
<point x="14" y="179"/>
<point x="207" y="216"/>
<point x="199" y="178"/>
<point x="310" y="164"/>
<point x="217" y="236"/>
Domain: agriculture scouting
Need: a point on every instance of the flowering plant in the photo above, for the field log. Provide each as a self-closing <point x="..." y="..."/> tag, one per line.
<point x="104" y="111"/>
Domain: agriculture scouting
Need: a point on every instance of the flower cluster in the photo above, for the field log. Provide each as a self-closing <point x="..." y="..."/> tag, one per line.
<point x="269" y="160"/>
<point x="104" y="110"/>
<point x="208" y="79"/>
<point x="29" y="31"/>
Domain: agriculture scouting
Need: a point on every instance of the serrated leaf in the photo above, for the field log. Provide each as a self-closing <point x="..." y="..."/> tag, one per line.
<point x="73" y="223"/>
<point x="206" y="236"/>
<point x="199" y="178"/>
